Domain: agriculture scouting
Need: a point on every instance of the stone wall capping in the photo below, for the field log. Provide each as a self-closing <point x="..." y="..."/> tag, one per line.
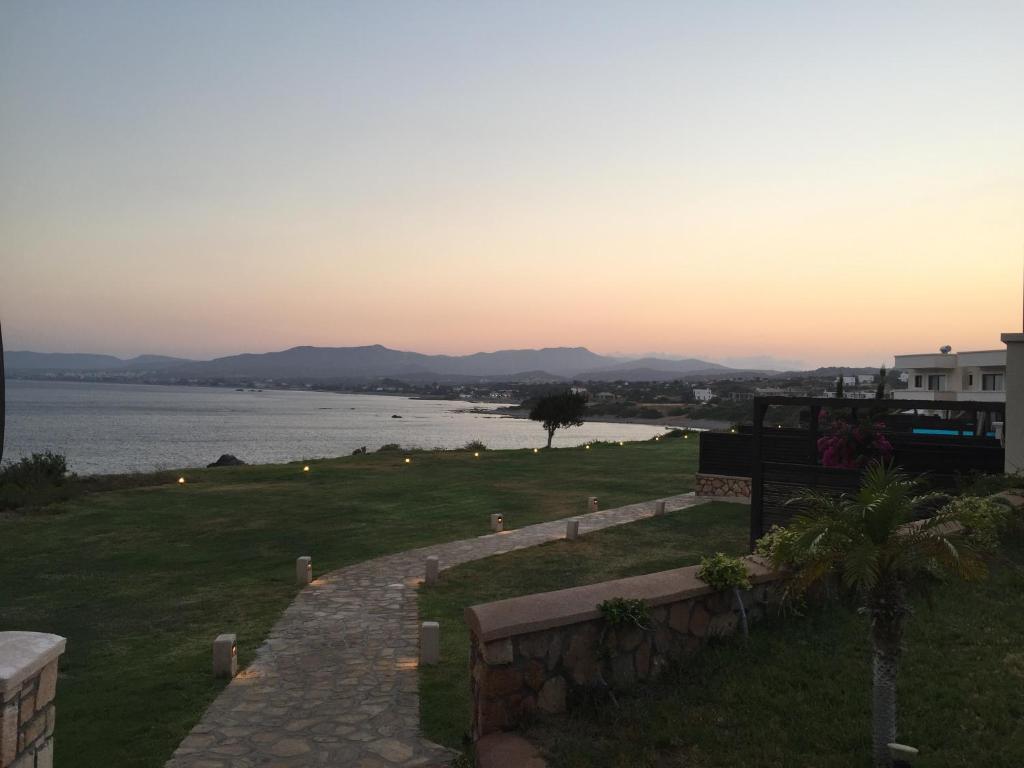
<point x="22" y="654"/>
<point x="548" y="610"/>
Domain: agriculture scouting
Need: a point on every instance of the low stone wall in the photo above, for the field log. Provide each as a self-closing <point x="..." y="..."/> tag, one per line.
<point x="721" y="485"/>
<point x="28" y="684"/>
<point x="535" y="654"/>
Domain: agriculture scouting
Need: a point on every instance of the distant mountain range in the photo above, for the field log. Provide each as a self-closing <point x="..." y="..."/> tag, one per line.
<point x="61" y="361"/>
<point x="373" y="362"/>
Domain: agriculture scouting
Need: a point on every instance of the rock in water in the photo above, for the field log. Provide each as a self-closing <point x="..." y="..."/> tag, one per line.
<point x="227" y="460"/>
<point x="395" y="416"/>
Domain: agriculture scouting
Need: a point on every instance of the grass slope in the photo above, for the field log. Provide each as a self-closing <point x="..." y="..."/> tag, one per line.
<point x="141" y="580"/>
<point x="656" y="544"/>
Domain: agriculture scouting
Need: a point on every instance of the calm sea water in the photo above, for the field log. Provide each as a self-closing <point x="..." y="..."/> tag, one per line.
<point x="128" y="427"/>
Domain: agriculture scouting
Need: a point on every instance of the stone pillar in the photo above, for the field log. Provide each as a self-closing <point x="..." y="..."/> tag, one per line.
<point x="1013" y="427"/>
<point x="572" y="529"/>
<point x="659" y="508"/>
<point x="497" y="523"/>
<point x="28" y="684"/>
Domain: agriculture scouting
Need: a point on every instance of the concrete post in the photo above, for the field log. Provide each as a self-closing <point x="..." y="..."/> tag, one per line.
<point x="572" y="529"/>
<point x="497" y="523"/>
<point x="592" y="504"/>
<point x="659" y="508"/>
<point x="430" y="642"/>
<point x="304" y="570"/>
<point x="1013" y="427"/>
<point x="433" y="566"/>
<point x="225" y="656"/>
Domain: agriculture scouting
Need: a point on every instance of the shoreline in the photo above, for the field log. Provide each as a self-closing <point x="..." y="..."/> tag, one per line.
<point x="667" y="422"/>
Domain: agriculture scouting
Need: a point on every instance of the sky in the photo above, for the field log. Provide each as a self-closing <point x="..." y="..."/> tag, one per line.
<point x="823" y="183"/>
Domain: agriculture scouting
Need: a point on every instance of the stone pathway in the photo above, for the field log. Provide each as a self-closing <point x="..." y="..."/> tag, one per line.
<point x="335" y="684"/>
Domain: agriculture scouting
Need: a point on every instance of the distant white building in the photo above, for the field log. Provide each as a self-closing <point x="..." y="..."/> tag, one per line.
<point x="605" y="397"/>
<point x="979" y="376"/>
<point x="866" y="378"/>
<point x="702" y="395"/>
<point x="849" y="381"/>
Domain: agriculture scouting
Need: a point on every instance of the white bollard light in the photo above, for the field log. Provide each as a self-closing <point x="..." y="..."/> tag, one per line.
<point x="592" y="504"/>
<point x="430" y="642"/>
<point x="497" y="523"/>
<point x="572" y="529"/>
<point x="225" y="656"/>
<point x="303" y="570"/>
<point x="433" y="566"/>
<point x="659" y="508"/>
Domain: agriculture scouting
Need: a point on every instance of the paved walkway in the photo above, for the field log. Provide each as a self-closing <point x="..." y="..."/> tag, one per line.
<point x="335" y="684"/>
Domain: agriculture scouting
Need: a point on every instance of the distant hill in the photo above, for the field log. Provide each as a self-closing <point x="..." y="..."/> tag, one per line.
<point x="377" y="361"/>
<point x="74" y="361"/>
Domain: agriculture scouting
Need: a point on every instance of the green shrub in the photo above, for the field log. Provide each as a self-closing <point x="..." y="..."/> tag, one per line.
<point x="723" y="572"/>
<point x="39" y="469"/>
<point x="389" y="447"/>
<point x="474" y="445"/>
<point x="623" y="610"/>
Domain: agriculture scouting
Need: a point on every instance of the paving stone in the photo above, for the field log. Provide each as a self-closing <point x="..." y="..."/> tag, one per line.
<point x="335" y="683"/>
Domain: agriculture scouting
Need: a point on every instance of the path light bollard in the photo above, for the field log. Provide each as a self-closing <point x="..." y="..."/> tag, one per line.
<point x="902" y="755"/>
<point x="592" y="504"/>
<point x="304" y="570"/>
<point x="497" y="523"/>
<point x="430" y="642"/>
<point x="433" y="565"/>
<point x="572" y="529"/>
<point x="225" y="656"/>
<point x="659" y="508"/>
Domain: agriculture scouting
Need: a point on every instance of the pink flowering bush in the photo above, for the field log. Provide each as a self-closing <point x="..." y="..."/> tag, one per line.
<point x="851" y="446"/>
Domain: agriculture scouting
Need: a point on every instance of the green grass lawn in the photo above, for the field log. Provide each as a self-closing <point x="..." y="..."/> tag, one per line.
<point x="655" y="544"/>
<point x="141" y="580"/>
<point x="797" y="694"/>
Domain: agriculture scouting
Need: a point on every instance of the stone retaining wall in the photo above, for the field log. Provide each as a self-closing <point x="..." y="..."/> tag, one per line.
<point x="537" y="654"/>
<point x="721" y="485"/>
<point x="28" y="684"/>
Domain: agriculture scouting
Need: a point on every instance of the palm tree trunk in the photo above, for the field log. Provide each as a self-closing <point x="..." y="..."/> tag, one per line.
<point x="743" y="611"/>
<point x="551" y="434"/>
<point x="888" y="610"/>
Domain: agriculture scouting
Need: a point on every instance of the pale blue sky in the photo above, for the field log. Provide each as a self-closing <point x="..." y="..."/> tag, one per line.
<point x="203" y="178"/>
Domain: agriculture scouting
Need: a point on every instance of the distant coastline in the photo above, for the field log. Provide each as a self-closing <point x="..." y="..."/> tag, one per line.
<point x="682" y="422"/>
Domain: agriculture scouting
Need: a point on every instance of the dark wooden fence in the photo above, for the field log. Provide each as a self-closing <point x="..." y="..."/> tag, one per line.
<point x="780" y="462"/>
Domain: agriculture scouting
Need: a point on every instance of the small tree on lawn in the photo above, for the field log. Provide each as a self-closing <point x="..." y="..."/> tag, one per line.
<point x="563" y="409"/>
<point x="872" y="543"/>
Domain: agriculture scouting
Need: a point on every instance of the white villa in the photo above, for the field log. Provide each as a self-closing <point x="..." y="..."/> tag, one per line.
<point x="702" y="395"/>
<point x="945" y="375"/>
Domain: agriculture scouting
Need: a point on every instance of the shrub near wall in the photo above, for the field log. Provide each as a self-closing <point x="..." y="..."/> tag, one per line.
<point x="538" y="654"/>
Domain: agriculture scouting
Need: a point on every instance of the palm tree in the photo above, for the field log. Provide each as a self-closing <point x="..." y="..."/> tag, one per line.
<point x="879" y="546"/>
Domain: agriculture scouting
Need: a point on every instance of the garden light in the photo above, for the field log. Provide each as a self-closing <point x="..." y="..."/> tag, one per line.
<point x="536" y="450"/>
<point x="408" y="460"/>
<point x="588" y="447"/>
<point x="306" y="468"/>
<point x="476" y="454"/>
<point x="497" y="523"/>
<point x="304" y="570"/>
<point x="181" y="481"/>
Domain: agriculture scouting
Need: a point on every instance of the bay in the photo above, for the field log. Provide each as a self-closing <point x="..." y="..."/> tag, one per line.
<point x="108" y="428"/>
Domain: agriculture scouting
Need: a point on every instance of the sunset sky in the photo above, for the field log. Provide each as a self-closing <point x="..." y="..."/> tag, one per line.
<point x="811" y="182"/>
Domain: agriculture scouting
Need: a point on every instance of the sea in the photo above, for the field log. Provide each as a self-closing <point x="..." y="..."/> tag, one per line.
<point x="114" y="428"/>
